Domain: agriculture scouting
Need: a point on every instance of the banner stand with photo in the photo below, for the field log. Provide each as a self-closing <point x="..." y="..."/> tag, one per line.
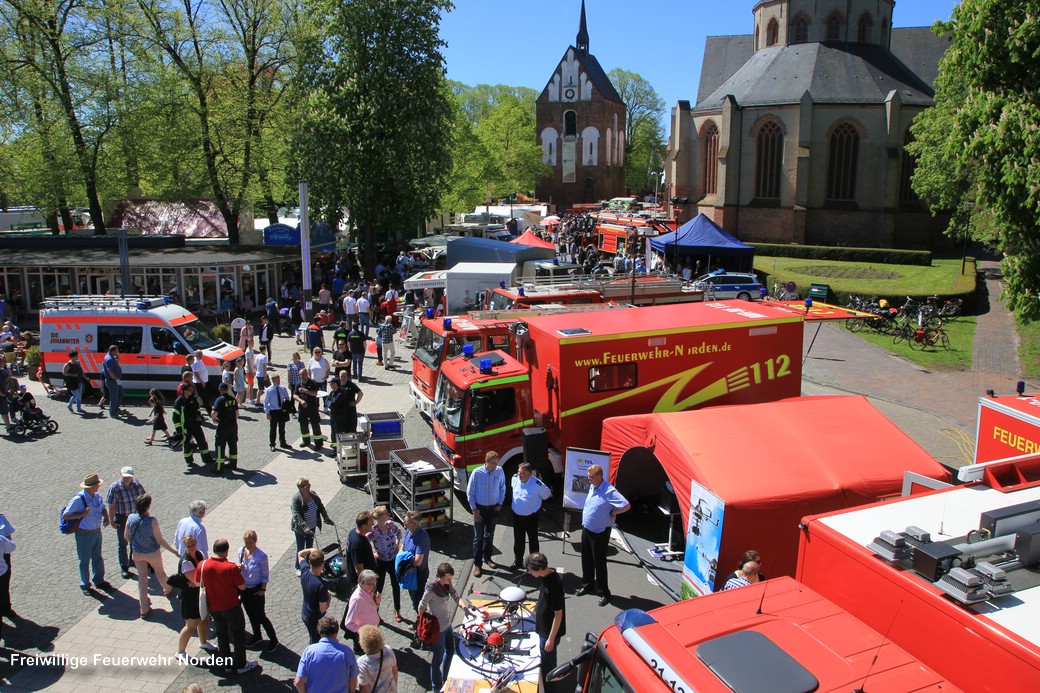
<point x="576" y="485"/>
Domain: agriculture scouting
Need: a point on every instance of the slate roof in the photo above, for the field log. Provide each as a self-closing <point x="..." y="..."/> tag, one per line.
<point x="595" y="73"/>
<point x="832" y="72"/>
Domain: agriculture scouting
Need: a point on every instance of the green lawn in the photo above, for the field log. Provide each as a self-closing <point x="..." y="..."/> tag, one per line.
<point x="962" y="339"/>
<point x="1029" y="347"/>
<point x="894" y="282"/>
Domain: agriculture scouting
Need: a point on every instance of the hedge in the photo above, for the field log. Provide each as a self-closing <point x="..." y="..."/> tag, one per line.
<point x="887" y="256"/>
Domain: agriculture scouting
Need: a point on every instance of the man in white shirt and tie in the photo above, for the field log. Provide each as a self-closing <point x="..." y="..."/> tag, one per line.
<point x="276" y="406"/>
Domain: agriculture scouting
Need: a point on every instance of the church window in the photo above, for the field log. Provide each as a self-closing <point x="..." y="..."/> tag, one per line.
<point x="866" y="29"/>
<point x="801" y="29"/>
<point x="844" y="158"/>
<point x="906" y="188"/>
<point x="772" y="32"/>
<point x="711" y="159"/>
<point x="570" y="124"/>
<point x="833" y="28"/>
<point x="769" y="160"/>
<point x="884" y="33"/>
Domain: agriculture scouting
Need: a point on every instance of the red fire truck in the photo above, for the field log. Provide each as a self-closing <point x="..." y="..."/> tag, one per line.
<point x="951" y="575"/>
<point x="1008" y="426"/>
<point x="574" y="370"/>
<point x="647" y="290"/>
<point x="776" y="635"/>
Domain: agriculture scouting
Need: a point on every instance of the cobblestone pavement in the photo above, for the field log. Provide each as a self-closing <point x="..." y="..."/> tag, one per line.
<point x="42" y="473"/>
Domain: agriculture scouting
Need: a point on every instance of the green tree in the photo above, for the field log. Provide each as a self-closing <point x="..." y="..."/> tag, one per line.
<point x="984" y="127"/>
<point x="374" y="136"/>
<point x="644" y="137"/>
<point x="55" y="41"/>
<point x="508" y="135"/>
<point x="230" y="55"/>
<point x="471" y="169"/>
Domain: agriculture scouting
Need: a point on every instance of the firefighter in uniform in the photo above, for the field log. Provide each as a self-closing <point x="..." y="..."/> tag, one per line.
<point x="307" y="396"/>
<point x="225" y="413"/>
<point x="188" y="417"/>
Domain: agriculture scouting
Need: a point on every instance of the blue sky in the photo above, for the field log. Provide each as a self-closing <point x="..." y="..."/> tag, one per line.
<point x="520" y="43"/>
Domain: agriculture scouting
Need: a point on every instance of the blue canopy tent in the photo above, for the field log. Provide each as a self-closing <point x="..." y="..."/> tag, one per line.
<point x="702" y="236"/>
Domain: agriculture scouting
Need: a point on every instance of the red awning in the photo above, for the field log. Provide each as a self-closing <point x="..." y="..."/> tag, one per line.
<point x="528" y="238"/>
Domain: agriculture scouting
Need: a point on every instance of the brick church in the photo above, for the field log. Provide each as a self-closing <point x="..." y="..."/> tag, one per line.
<point x="798" y="131"/>
<point x="580" y="120"/>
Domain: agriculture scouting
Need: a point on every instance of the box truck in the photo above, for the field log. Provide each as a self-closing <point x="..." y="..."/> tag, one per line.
<point x="467" y="284"/>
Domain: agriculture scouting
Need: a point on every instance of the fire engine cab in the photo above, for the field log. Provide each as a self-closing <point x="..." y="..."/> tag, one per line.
<point x="153" y="336"/>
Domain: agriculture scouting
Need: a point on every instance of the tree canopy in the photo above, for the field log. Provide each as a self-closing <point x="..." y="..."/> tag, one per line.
<point x="644" y="139"/>
<point x="978" y="150"/>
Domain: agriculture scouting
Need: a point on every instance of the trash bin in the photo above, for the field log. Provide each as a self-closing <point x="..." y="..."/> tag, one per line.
<point x="820" y="292"/>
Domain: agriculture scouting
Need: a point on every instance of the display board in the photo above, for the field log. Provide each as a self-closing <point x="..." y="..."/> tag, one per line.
<point x="703" y="542"/>
<point x="575" y="474"/>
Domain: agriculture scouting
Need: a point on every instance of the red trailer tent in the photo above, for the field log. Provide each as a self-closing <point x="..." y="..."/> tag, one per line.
<point x="771" y="464"/>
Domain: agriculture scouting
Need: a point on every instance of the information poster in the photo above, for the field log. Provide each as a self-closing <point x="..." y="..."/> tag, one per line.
<point x="575" y="474"/>
<point x="703" y="542"/>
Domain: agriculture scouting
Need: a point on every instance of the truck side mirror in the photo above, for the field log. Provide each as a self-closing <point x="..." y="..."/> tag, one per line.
<point x="561" y="672"/>
<point x="478" y="414"/>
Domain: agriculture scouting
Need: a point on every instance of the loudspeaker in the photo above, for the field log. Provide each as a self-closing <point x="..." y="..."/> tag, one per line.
<point x="536" y="448"/>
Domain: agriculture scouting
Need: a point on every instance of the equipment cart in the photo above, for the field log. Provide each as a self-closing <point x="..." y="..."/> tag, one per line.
<point x="383" y="433"/>
<point x="420" y="480"/>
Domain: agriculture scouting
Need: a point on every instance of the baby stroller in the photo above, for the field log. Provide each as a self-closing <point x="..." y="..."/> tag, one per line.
<point x="26" y="417"/>
<point x="334" y="572"/>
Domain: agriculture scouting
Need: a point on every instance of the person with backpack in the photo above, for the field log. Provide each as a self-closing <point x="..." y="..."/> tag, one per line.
<point x="85" y="515"/>
<point x="437" y="600"/>
<point x="75" y="379"/>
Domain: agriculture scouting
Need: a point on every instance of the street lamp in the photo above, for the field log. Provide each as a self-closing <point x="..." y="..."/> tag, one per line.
<point x="658" y="176"/>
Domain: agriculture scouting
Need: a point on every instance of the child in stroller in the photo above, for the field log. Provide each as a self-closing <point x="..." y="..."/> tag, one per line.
<point x="26" y="416"/>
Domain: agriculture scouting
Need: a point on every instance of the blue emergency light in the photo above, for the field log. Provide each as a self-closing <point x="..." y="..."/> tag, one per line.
<point x="430" y="313"/>
<point x="556" y="260"/>
<point x="502" y="284"/>
<point x="485" y="365"/>
<point x="1020" y="387"/>
<point x="520" y="291"/>
<point x="467" y="350"/>
<point x="447" y="323"/>
<point x="808" y="304"/>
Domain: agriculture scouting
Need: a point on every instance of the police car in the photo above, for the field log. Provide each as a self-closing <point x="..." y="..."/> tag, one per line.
<point x="729" y="285"/>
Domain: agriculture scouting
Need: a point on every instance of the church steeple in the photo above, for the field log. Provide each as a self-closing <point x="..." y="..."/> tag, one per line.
<point x="582" y="42"/>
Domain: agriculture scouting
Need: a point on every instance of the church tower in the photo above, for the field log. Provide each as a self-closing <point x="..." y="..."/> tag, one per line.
<point x="580" y="121"/>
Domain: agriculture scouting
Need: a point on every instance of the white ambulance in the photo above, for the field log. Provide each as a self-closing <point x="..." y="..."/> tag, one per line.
<point x="153" y="336"/>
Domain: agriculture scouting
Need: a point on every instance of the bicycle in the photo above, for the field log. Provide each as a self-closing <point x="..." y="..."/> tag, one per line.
<point x="928" y="337"/>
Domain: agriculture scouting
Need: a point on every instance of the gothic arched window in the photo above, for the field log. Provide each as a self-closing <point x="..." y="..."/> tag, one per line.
<point x="570" y="124"/>
<point x="884" y="33"/>
<point x="769" y="160"/>
<point x="906" y="188"/>
<point x="711" y="159"/>
<point x="844" y="158"/>
<point x="832" y="31"/>
<point x="800" y="29"/>
<point x="866" y="29"/>
<point x="772" y="32"/>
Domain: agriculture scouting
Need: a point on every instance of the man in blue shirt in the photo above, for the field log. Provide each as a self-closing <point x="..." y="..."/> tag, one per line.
<point x="316" y="597"/>
<point x="485" y="492"/>
<point x="528" y="494"/>
<point x="87" y="507"/>
<point x="328" y="665"/>
<point x="417" y="542"/>
<point x="113" y="373"/>
<point x="602" y="505"/>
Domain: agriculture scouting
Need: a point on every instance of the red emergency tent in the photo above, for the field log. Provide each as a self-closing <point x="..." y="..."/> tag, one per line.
<point x="528" y="238"/>
<point x="772" y="464"/>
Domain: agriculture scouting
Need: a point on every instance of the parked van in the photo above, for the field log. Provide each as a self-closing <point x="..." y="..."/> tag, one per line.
<point x="153" y="336"/>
